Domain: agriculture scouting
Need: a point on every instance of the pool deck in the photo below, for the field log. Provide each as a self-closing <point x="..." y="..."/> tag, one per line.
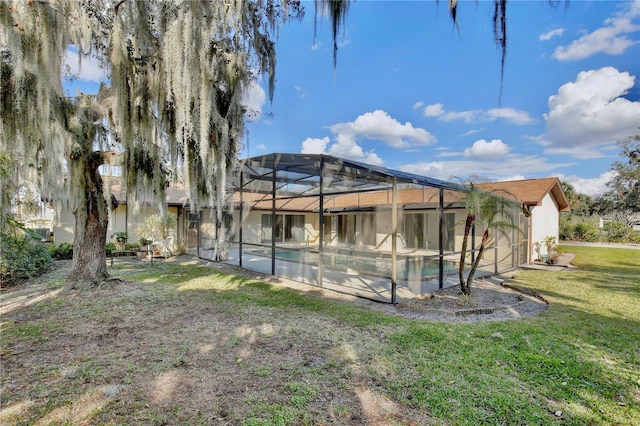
<point x="350" y="282"/>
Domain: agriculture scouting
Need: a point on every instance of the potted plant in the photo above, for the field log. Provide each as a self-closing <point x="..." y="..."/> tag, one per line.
<point x="145" y="246"/>
<point x="120" y="239"/>
<point x="536" y="246"/>
<point x="159" y="229"/>
<point x="555" y="254"/>
<point x="552" y="249"/>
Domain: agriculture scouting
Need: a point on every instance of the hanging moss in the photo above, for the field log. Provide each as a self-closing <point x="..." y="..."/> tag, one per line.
<point x="178" y="72"/>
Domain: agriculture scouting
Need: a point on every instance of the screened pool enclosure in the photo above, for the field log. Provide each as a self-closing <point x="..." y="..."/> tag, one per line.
<point x="347" y="226"/>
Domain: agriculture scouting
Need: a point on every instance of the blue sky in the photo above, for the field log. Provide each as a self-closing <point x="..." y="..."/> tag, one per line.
<point x="411" y="92"/>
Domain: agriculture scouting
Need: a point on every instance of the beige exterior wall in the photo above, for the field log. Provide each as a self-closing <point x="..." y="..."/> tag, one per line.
<point x="545" y="221"/>
<point x="63" y="226"/>
<point x="252" y="229"/>
<point x="119" y="221"/>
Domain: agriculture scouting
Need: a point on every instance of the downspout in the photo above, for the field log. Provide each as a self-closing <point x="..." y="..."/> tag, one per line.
<point x="529" y="238"/>
<point x="495" y="250"/>
<point x="394" y="236"/>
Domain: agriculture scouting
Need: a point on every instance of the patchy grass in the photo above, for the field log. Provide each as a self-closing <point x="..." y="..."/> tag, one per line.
<point x="180" y="343"/>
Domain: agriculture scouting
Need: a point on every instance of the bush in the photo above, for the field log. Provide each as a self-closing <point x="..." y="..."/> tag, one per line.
<point x="566" y="229"/>
<point x="618" y="232"/>
<point x="132" y="246"/>
<point x="21" y="257"/>
<point x="109" y="247"/>
<point x="586" y="231"/>
<point x="62" y="252"/>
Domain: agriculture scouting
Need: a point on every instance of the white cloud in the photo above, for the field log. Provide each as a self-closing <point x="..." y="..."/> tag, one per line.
<point x="592" y="187"/>
<point x="315" y="146"/>
<point x="466" y="116"/>
<point x="434" y="110"/>
<point x="346" y="147"/>
<point x="510" y="178"/>
<point x="482" y="149"/>
<point x="261" y="147"/>
<point x="582" y="153"/>
<point x="380" y="125"/>
<point x="377" y="125"/>
<point x="501" y="168"/>
<point x="551" y="34"/>
<point x="253" y="99"/>
<point x="591" y="112"/>
<point x="83" y="67"/>
<point x="418" y="105"/>
<point x="509" y="114"/>
<point x="610" y="39"/>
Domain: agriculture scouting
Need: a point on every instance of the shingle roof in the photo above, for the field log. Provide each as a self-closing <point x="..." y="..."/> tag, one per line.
<point x="176" y="195"/>
<point x="531" y="191"/>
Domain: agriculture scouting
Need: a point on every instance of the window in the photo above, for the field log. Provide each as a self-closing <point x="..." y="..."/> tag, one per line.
<point x="294" y="227"/>
<point x="287" y="228"/>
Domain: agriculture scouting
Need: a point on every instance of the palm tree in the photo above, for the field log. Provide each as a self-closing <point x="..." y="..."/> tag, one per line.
<point x="491" y="211"/>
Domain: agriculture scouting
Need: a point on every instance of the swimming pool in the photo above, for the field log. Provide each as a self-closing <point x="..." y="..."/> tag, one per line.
<point x="377" y="264"/>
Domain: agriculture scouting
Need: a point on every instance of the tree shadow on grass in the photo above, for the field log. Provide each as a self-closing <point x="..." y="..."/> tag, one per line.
<point x="193" y="343"/>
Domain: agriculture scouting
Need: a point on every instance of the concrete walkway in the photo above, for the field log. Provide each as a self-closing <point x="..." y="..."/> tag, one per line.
<point x="606" y="245"/>
<point x="564" y="263"/>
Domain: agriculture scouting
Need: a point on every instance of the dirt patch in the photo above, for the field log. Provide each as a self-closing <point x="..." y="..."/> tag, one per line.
<point x="487" y="302"/>
<point x="135" y="354"/>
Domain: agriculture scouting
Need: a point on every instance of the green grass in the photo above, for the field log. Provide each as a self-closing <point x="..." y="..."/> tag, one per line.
<point x="289" y="358"/>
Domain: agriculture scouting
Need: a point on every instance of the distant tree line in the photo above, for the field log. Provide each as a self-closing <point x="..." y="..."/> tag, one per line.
<point x="612" y="216"/>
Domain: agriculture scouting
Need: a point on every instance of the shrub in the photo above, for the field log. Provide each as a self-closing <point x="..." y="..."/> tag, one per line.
<point x="618" y="232"/>
<point x="132" y="246"/>
<point x="586" y="231"/>
<point x="109" y="247"/>
<point x="61" y="252"/>
<point x="156" y="227"/>
<point x="566" y="229"/>
<point x="21" y="257"/>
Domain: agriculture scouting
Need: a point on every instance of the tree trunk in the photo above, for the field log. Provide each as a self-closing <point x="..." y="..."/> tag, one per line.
<point x="474" y="267"/>
<point x="90" y="208"/>
<point x="463" y="252"/>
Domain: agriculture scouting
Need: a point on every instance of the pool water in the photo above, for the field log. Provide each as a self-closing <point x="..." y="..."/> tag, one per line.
<point x="369" y="263"/>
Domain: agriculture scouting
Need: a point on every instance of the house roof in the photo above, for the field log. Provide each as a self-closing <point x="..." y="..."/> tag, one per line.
<point x="531" y="191"/>
<point x="176" y="194"/>
<point x="413" y="198"/>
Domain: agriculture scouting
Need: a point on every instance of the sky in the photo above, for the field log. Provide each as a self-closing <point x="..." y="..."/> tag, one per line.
<point x="412" y="92"/>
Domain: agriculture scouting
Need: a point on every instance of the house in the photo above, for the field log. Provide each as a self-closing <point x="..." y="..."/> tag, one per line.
<point x="335" y="223"/>
<point x="544" y="198"/>
<point x="122" y="219"/>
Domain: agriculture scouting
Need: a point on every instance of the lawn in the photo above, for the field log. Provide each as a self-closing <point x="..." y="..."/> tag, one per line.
<point x="178" y="343"/>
